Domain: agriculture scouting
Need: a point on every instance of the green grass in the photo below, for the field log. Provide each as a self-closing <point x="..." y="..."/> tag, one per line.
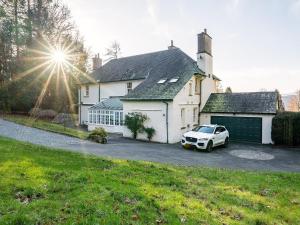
<point x="47" y="186"/>
<point x="46" y="125"/>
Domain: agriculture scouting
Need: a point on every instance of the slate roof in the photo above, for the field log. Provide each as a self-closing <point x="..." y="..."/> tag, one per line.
<point x="109" y="104"/>
<point x="168" y="64"/>
<point x="247" y="103"/>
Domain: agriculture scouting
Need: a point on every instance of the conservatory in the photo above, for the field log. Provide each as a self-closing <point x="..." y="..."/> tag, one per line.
<point x="107" y="114"/>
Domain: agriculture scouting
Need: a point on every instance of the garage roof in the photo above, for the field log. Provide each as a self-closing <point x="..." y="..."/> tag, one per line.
<point x="247" y="103"/>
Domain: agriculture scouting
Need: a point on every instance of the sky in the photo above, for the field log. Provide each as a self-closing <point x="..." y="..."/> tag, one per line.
<point x="256" y="44"/>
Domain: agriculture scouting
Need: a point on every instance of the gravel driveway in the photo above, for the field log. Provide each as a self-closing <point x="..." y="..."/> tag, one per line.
<point x="241" y="156"/>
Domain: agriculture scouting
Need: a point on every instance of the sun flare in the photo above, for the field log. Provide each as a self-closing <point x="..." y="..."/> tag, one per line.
<point x="58" y="56"/>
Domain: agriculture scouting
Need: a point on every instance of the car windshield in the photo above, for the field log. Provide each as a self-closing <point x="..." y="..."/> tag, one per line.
<point x="204" y="129"/>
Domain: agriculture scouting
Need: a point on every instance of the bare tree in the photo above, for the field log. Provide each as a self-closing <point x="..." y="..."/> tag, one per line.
<point x="114" y="51"/>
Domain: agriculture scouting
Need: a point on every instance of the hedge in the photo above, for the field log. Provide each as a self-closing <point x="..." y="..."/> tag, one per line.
<point x="286" y="129"/>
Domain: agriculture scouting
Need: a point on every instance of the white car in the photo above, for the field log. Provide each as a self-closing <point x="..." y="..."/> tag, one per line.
<point x="206" y="137"/>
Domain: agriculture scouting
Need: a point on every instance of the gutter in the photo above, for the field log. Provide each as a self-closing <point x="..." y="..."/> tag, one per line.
<point x="167" y="120"/>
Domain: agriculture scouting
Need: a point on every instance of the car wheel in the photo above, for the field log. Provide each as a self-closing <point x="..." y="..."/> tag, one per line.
<point x="209" y="146"/>
<point x="226" y="142"/>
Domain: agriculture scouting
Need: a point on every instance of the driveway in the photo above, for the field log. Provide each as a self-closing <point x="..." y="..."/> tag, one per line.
<point x="237" y="156"/>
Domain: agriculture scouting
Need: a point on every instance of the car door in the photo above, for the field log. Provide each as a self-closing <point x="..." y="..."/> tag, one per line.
<point x="218" y="136"/>
<point x="223" y="135"/>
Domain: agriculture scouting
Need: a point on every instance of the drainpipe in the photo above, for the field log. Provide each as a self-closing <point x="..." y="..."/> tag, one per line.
<point x="99" y="91"/>
<point x="200" y="102"/>
<point x="79" y="104"/>
<point x="167" y="120"/>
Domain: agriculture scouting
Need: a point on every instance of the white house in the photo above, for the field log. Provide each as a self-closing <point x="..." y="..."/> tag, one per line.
<point x="168" y="86"/>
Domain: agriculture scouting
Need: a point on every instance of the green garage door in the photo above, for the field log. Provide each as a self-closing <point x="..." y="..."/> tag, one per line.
<point x="247" y="129"/>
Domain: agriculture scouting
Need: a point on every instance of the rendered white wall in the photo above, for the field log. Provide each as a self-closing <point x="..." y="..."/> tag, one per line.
<point x="209" y="85"/>
<point x="111" y="89"/>
<point x="156" y="112"/>
<point x="119" y="88"/>
<point x="107" y="90"/>
<point x="183" y="100"/>
<point x="205" y="118"/>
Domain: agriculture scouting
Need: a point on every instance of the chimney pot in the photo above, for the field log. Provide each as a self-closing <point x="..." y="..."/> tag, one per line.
<point x="205" y="30"/>
<point x="97" y="62"/>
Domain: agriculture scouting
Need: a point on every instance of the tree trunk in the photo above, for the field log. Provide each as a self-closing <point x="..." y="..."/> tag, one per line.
<point x="16" y="28"/>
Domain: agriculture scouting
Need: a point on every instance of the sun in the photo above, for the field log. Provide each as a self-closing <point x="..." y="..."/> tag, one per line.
<point x="58" y="56"/>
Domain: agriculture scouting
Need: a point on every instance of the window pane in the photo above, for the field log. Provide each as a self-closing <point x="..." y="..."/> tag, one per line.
<point x="102" y="118"/>
<point x="117" y="118"/>
<point x="107" y="119"/>
<point x="121" y="118"/>
<point x="94" y="116"/>
<point x="90" y="117"/>
<point x="98" y="117"/>
<point x="111" y="118"/>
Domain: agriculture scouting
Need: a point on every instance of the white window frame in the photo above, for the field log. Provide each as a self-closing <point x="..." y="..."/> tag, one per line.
<point x="129" y="87"/>
<point x="106" y="117"/>
<point x="190" y="89"/>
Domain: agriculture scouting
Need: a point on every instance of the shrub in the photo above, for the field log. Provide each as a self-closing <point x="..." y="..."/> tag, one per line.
<point x="98" y="135"/>
<point x="150" y="131"/>
<point x="42" y="113"/>
<point x="135" y="123"/>
<point x="286" y="129"/>
<point x="47" y="114"/>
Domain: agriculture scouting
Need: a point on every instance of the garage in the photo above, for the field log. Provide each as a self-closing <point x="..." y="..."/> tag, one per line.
<point x="247" y="116"/>
<point x="244" y="129"/>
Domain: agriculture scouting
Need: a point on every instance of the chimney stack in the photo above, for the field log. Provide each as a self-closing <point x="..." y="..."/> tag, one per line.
<point x="204" y="43"/>
<point x="204" y="54"/>
<point x="97" y="62"/>
<point x="172" y="45"/>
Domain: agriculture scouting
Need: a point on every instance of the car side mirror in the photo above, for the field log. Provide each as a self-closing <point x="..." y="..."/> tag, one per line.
<point x="217" y="132"/>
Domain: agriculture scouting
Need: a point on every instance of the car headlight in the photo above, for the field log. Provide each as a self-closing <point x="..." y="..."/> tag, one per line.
<point x="203" y="139"/>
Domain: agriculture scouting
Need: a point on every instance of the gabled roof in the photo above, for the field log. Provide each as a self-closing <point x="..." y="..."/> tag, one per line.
<point x="151" y="67"/>
<point x="247" y="103"/>
<point x="109" y="104"/>
<point x="172" y="63"/>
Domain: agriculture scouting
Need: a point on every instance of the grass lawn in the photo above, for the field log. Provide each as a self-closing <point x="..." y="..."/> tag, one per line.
<point x="46" y="186"/>
<point x="46" y="125"/>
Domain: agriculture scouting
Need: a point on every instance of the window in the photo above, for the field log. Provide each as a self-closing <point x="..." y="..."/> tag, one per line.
<point x="129" y="87"/>
<point x="219" y="130"/>
<point x="197" y="86"/>
<point x="182" y="117"/>
<point x="106" y="117"/>
<point x="98" y="117"/>
<point x="174" y="80"/>
<point x="90" y="117"/>
<point x="87" y="90"/>
<point x="195" y="110"/>
<point x="162" y="81"/>
<point x="190" y="89"/>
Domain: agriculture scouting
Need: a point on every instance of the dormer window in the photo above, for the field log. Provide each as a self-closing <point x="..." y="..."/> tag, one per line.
<point x="174" y="80"/>
<point x="161" y="81"/>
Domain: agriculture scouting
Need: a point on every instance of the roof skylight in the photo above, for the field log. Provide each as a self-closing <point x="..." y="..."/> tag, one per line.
<point x="161" y="81"/>
<point x="174" y="80"/>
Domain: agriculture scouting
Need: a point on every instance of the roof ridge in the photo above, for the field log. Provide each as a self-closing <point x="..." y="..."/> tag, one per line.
<point x="248" y="92"/>
<point x="143" y="54"/>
